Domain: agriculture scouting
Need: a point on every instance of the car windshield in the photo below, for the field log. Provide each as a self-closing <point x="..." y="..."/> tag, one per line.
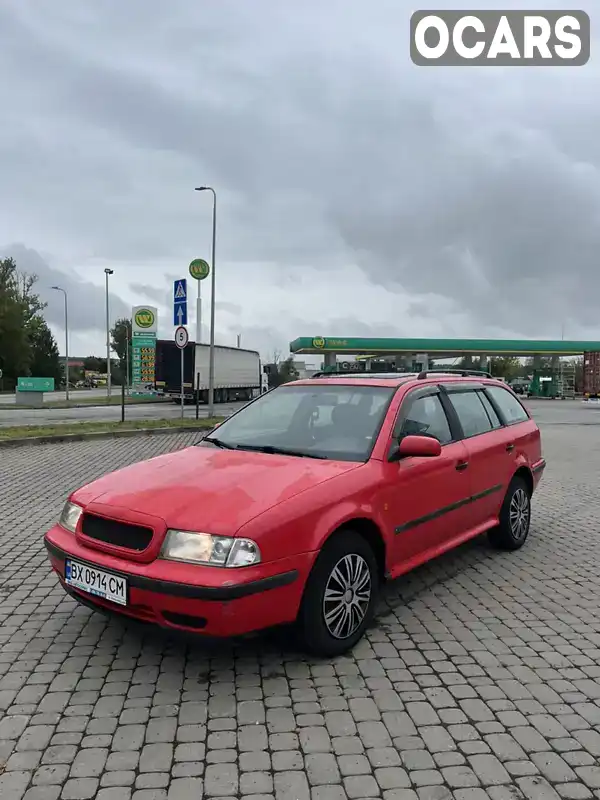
<point x="337" y="422"/>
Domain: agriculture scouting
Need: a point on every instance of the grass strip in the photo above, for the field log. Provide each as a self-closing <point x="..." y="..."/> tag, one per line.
<point x="30" y="431"/>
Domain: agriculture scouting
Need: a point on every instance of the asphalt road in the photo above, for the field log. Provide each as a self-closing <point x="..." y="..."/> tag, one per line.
<point x="553" y="411"/>
<point x="480" y="677"/>
<point x="55" y="416"/>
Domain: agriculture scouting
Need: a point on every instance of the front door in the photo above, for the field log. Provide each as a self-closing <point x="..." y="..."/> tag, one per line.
<point x="426" y="499"/>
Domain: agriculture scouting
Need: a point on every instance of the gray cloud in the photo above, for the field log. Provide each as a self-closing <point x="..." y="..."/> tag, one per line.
<point x="228" y="308"/>
<point x="86" y="301"/>
<point x="327" y="146"/>
<point x="150" y="292"/>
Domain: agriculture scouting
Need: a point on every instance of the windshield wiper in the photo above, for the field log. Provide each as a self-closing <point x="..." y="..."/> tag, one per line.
<point x="218" y="443"/>
<point x="279" y="451"/>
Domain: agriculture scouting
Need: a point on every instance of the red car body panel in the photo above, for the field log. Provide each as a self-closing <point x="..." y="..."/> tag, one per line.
<point x="208" y="489"/>
<point x="420" y="507"/>
<point x="232" y="616"/>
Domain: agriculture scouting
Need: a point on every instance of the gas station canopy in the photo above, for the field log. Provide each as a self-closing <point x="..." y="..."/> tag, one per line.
<point x="442" y="348"/>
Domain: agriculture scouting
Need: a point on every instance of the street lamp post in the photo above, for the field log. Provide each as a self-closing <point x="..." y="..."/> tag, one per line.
<point x="127" y="359"/>
<point x="211" y="361"/>
<point x="60" y="289"/>
<point x="108" y="272"/>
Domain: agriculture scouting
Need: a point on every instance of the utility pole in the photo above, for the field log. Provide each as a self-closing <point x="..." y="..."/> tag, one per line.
<point x="211" y="362"/>
<point x="60" y="289"/>
<point x="108" y="272"/>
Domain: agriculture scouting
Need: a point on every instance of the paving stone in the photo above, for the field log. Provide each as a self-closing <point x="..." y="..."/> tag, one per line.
<point x="221" y="780"/>
<point x="537" y="788"/>
<point x="80" y="789"/>
<point x="574" y="791"/>
<point x="354" y="765"/>
<point x="484" y="684"/>
<point x="361" y="786"/>
<point x="114" y="793"/>
<point x="590" y="776"/>
<point x="554" y="768"/>
<point x="321" y="768"/>
<point x="426" y="778"/>
<point x="156" y="758"/>
<point x="12" y="726"/>
<point x="291" y="785"/>
<point x="118" y="778"/>
<point x="89" y="763"/>
<point x="458" y="777"/>
<point x="489" y="770"/>
<point x="14" y="784"/>
<point x="253" y="783"/>
<point x="43" y="793"/>
<point x="329" y="793"/>
<point x="185" y="789"/>
<point x="392" y="778"/>
<point x="51" y="774"/>
<point x="152" y="780"/>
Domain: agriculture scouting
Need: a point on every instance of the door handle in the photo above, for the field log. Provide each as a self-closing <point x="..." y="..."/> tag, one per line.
<point x="510" y="448"/>
<point x="462" y="465"/>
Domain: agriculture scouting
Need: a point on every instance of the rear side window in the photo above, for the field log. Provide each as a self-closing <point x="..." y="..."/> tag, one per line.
<point x="509" y="406"/>
<point x="491" y="411"/>
<point x="471" y="413"/>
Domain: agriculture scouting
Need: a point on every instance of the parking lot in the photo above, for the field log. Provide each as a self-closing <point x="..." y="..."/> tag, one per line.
<point x="480" y="677"/>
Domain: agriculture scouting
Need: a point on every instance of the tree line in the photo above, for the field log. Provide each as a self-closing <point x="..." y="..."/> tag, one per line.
<point x="27" y="345"/>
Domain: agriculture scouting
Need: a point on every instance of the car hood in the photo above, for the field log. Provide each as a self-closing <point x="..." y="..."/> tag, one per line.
<point x="208" y="489"/>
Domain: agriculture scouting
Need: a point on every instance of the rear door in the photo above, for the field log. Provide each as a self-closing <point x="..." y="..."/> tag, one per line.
<point x="425" y="498"/>
<point x="521" y="434"/>
<point x="489" y="460"/>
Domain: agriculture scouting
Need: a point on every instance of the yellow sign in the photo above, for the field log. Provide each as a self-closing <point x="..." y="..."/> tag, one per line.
<point x="319" y="342"/>
<point x="144" y="318"/>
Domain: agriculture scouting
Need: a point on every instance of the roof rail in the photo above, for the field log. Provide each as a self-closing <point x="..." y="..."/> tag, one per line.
<point x="465" y="373"/>
<point x="333" y="373"/>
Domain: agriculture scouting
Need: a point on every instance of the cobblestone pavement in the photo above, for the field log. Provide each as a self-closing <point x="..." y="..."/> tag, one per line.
<point x="480" y="678"/>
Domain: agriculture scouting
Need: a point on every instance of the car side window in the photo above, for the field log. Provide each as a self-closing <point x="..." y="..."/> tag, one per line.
<point x="471" y="412"/>
<point x="425" y="416"/>
<point x="491" y="411"/>
<point x="509" y="406"/>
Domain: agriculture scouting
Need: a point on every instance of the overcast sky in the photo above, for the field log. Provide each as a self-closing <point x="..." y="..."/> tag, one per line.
<point x="358" y="194"/>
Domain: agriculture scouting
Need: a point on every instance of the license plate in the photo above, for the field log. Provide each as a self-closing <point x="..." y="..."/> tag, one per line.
<point x="96" y="581"/>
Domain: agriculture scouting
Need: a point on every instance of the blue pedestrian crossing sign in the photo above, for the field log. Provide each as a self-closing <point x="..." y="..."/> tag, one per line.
<point x="180" y="302"/>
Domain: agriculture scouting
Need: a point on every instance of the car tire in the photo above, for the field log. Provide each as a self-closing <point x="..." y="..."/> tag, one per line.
<point x="515" y="517"/>
<point x="325" y="631"/>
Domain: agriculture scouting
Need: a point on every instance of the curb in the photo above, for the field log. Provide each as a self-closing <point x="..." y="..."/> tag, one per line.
<point x="58" y="407"/>
<point x="97" y="435"/>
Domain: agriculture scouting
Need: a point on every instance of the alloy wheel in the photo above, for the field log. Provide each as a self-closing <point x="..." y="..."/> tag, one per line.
<point x="347" y="596"/>
<point x="519" y="514"/>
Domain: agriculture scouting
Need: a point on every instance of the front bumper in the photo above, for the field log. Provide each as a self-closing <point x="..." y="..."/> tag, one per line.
<point x="270" y="595"/>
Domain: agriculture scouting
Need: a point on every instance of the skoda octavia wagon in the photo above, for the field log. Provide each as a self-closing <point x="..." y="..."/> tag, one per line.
<point x="300" y="506"/>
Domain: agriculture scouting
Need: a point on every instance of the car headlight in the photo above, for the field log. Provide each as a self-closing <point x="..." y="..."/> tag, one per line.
<point x="215" y="551"/>
<point x="70" y="516"/>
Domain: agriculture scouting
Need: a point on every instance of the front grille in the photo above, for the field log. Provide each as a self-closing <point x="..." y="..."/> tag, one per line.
<point x="120" y="534"/>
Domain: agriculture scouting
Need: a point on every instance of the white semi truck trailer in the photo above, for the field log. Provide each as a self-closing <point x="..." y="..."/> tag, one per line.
<point x="239" y="373"/>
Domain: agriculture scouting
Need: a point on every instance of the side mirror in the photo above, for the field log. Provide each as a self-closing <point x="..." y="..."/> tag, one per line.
<point x="419" y="447"/>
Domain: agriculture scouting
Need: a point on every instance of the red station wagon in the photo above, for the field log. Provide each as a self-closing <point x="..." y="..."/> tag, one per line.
<point x="302" y="504"/>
